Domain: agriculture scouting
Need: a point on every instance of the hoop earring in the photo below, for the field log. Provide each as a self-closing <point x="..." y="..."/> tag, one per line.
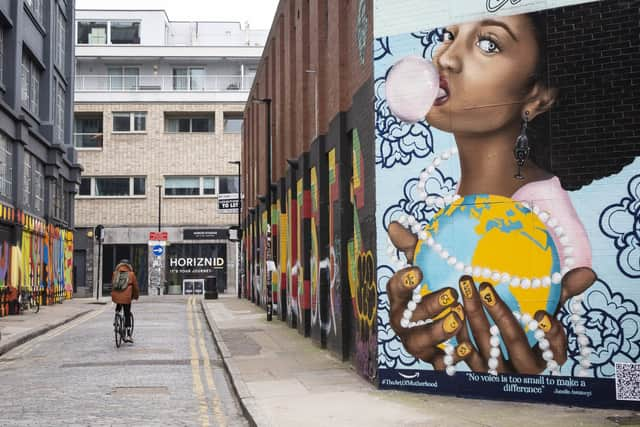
<point x="521" y="149"/>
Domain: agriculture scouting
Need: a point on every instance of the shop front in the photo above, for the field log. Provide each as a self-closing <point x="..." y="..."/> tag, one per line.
<point x="188" y="266"/>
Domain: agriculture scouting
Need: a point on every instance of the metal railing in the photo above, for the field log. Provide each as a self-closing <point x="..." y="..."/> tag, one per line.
<point x="162" y="83"/>
<point x="87" y="140"/>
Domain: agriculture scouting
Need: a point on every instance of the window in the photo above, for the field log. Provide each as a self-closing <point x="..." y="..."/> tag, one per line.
<point x="123" y="78"/>
<point x="6" y="166"/>
<point x="30" y="81"/>
<point x="189" y="185"/>
<point x="92" y="32"/>
<point x="188" y="123"/>
<point x="59" y="117"/>
<point x="125" y="33"/>
<point x="228" y="184"/>
<point x="87" y="130"/>
<point x="33" y="183"/>
<point x="36" y="8"/>
<point x="191" y="78"/>
<point x="122" y="186"/>
<point x="1" y="54"/>
<point x="103" y="32"/>
<point x="61" y="39"/>
<point x="232" y="122"/>
<point x="130" y="122"/>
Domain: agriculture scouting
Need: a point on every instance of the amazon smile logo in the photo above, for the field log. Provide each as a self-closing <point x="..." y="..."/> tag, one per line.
<point x="496" y="5"/>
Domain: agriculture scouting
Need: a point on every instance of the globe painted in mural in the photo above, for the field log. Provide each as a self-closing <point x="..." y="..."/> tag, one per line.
<point x="498" y="234"/>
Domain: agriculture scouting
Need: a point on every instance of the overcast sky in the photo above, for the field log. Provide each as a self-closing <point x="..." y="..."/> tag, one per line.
<point x="259" y="13"/>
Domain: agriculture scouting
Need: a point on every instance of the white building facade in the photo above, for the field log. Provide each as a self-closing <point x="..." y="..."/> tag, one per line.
<point x="157" y="120"/>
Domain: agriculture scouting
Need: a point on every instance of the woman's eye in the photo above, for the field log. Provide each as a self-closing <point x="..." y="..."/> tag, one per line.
<point x="488" y="45"/>
<point x="447" y="36"/>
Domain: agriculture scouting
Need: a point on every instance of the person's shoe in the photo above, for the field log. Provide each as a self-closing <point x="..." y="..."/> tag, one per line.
<point x="128" y="339"/>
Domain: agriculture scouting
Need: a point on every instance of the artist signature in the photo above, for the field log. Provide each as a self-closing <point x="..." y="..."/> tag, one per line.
<point x="495" y="5"/>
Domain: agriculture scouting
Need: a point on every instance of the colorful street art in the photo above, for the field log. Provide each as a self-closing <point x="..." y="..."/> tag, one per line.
<point x="293" y="261"/>
<point x="361" y="273"/>
<point x="335" y="285"/>
<point x="506" y="267"/>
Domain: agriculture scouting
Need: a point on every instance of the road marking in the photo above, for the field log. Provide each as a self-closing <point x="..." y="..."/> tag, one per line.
<point x="195" y="369"/>
<point x="215" y="398"/>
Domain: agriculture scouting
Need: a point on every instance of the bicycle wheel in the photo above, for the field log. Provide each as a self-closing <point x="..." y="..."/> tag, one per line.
<point x="34" y="305"/>
<point x="117" y="329"/>
<point x="131" y="320"/>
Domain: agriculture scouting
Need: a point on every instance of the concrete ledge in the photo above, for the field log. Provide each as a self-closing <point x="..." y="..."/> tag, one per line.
<point x="23" y="338"/>
<point x="247" y="402"/>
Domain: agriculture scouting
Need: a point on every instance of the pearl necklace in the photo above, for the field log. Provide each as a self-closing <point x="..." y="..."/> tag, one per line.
<point x="409" y="221"/>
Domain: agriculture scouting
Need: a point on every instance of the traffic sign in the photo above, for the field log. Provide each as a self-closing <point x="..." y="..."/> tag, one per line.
<point x="157" y="250"/>
<point x="158" y="235"/>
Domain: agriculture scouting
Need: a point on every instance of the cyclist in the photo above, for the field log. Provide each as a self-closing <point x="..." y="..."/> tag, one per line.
<point x="122" y="297"/>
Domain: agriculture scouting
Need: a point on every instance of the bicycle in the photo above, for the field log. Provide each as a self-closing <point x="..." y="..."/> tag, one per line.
<point x="26" y="301"/>
<point x="119" y="328"/>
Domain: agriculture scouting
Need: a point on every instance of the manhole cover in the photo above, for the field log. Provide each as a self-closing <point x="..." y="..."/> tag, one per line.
<point x="140" y="390"/>
<point x="633" y="420"/>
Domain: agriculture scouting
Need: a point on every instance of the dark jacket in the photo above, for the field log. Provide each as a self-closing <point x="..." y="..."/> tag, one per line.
<point x="131" y="292"/>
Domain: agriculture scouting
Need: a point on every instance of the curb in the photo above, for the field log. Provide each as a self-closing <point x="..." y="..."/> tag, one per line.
<point x="4" y="348"/>
<point x="247" y="402"/>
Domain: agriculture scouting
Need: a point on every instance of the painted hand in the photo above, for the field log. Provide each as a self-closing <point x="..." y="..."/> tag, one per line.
<point x="423" y="341"/>
<point x="522" y="357"/>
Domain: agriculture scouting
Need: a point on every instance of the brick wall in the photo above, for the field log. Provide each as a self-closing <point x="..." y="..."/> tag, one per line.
<point x="162" y="154"/>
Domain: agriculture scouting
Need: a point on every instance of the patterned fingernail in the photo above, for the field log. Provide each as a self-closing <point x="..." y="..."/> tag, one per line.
<point x="410" y="279"/>
<point x="450" y="323"/>
<point x="545" y="323"/>
<point x="458" y="310"/>
<point x="446" y="298"/>
<point x="487" y="296"/>
<point x="467" y="288"/>
<point x="463" y="349"/>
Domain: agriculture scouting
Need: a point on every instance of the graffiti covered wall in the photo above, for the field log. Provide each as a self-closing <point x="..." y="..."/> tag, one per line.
<point x="508" y="196"/>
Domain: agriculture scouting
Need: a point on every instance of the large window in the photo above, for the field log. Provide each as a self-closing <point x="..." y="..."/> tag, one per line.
<point x="124" y="78"/>
<point x="60" y="113"/>
<point x="6" y="166"/>
<point x="92" y="32"/>
<point x="125" y="32"/>
<point x="33" y="183"/>
<point x="121" y="186"/>
<point x="87" y="130"/>
<point x="232" y="122"/>
<point x="130" y="122"/>
<point x="36" y="8"/>
<point x="108" y="32"/>
<point x="188" y="78"/>
<point x="199" y="186"/>
<point x="178" y="123"/>
<point x="30" y="81"/>
<point x="61" y="39"/>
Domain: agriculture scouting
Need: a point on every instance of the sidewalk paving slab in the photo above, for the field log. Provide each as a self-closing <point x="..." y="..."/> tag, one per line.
<point x="18" y="329"/>
<point x="283" y="379"/>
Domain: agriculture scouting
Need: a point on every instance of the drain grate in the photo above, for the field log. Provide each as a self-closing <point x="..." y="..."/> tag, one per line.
<point x="633" y="420"/>
<point x="156" y="362"/>
<point x="139" y="390"/>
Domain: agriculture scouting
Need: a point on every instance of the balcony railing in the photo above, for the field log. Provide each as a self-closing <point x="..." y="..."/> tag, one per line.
<point x="87" y="140"/>
<point x="153" y="83"/>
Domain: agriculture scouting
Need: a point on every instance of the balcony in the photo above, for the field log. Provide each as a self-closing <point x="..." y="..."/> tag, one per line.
<point x="154" y="83"/>
<point x="162" y="88"/>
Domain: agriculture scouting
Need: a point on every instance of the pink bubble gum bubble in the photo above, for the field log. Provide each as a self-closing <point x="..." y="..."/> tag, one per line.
<point x="411" y="88"/>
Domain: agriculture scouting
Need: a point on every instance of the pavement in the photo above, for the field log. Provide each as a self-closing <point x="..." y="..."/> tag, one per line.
<point x="283" y="379"/>
<point x="18" y="329"/>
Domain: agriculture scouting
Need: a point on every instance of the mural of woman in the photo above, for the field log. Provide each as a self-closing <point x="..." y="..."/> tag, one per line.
<point x="511" y="227"/>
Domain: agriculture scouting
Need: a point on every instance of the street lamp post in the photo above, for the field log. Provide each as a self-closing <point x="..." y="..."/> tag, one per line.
<point x="159" y="207"/>
<point x="239" y="230"/>
<point x="267" y="102"/>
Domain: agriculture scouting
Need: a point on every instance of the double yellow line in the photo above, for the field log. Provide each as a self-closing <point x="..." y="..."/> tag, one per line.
<point x="199" y="352"/>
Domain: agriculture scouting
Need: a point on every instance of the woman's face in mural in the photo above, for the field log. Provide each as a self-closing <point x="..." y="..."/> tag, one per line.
<point x="485" y="75"/>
